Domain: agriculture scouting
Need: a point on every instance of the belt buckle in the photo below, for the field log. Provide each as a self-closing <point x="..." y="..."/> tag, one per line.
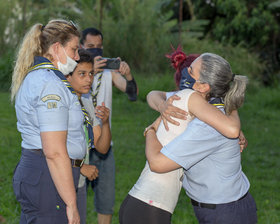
<point x="203" y="205"/>
<point x="78" y="162"/>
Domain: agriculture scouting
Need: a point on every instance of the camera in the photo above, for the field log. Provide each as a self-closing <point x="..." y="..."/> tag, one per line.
<point x="111" y="63"/>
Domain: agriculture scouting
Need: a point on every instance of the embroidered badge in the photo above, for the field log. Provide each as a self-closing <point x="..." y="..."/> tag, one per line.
<point x="52" y="105"/>
<point x="51" y="97"/>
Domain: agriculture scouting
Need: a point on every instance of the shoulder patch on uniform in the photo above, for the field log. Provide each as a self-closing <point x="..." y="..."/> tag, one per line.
<point x="51" y="97"/>
<point x="52" y="105"/>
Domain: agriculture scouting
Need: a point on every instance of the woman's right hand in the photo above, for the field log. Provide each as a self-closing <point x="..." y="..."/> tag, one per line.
<point x="73" y="214"/>
<point x="167" y="111"/>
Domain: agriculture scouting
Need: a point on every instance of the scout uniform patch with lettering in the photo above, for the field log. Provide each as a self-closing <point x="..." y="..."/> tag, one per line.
<point x="51" y="97"/>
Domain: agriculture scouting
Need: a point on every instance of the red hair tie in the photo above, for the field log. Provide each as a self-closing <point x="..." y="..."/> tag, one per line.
<point x="177" y="57"/>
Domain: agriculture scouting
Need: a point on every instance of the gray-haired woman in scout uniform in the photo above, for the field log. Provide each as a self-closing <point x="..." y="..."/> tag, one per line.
<point x="50" y="120"/>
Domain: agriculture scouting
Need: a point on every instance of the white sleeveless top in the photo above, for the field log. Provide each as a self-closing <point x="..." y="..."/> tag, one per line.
<point x="162" y="189"/>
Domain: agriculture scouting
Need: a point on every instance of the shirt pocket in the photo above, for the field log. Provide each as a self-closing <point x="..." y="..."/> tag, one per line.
<point x="27" y="188"/>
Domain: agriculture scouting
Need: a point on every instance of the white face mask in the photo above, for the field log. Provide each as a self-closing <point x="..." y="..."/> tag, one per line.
<point x="67" y="68"/>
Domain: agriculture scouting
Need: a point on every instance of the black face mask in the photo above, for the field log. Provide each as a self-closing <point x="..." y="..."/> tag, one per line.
<point x="95" y="52"/>
<point x="186" y="81"/>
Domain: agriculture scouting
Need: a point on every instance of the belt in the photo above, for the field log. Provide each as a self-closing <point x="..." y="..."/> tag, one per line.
<point x="37" y="151"/>
<point x="74" y="162"/>
<point x="203" y="205"/>
<point x="77" y="162"/>
<point x="211" y="206"/>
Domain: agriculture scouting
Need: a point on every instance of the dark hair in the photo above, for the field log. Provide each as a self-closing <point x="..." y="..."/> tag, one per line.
<point x="85" y="57"/>
<point x="90" y="31"/>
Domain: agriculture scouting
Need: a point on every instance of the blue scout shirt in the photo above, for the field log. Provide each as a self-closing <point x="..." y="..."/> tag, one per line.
<point x="211" y="162"/>
<point x="44" y="103"/>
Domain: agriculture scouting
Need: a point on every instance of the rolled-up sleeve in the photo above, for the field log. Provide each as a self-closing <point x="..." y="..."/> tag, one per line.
<point x="52" y="108"/>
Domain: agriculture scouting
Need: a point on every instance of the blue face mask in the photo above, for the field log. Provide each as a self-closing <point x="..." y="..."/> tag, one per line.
<point x="95" y="52"/>
<point x="186" y="81"/>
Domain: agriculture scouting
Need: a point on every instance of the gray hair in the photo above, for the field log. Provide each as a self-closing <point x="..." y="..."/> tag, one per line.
<point x="216" y="71"/>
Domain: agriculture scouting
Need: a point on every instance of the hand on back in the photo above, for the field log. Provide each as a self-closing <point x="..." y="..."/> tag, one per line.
<point x="167" y="111"/>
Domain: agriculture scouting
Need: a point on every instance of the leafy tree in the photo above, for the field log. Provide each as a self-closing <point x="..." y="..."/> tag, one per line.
<point x="253" y="24"/>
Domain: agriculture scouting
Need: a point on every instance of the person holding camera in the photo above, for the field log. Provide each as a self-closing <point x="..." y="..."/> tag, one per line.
<point x="106" y="74"/>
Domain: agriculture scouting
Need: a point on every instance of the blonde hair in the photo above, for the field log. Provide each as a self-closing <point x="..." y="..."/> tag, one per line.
<point x="216" y="71"/>
<point x="37" y="42"/>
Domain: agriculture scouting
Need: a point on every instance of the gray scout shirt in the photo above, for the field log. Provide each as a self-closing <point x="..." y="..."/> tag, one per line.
<point x="43" y="104"/>
<point x="211" y="162"/>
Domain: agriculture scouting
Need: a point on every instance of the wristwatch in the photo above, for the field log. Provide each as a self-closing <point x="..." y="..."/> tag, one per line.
<point x="147" y="129"/>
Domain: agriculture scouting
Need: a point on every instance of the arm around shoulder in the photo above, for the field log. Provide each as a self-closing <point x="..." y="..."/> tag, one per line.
<point x="226" y="125"/>
<point x="155" y="99"/>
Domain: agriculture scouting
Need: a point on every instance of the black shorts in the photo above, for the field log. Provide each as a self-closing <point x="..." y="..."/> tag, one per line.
<point x="136" y="211"/>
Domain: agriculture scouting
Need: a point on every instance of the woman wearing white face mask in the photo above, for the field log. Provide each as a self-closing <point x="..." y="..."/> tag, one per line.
<point x="50" y="120"/>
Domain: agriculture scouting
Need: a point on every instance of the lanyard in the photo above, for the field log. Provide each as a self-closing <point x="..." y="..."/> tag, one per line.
<point x="217" y="102"/>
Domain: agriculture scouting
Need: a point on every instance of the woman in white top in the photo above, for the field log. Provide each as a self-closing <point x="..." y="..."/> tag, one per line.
<point x="154" y="196"/>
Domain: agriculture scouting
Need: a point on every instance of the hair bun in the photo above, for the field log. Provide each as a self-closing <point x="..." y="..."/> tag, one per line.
<point x="177" y="57"/>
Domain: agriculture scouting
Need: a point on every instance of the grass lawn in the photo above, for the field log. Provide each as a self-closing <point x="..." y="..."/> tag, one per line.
<point x="260" y="161"/>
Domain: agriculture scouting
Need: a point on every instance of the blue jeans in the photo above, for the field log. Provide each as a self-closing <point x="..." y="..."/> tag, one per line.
<point x="104" y="185"/>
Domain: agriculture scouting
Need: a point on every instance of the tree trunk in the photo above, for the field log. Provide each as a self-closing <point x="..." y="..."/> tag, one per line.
<point x="180" y="19"/>
<point x="191" y="11"/>
<point x="100" y="14"/>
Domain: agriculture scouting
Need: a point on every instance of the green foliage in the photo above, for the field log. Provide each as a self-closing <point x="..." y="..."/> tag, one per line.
<point x="241" y="21"/>
<point x="140" y="32"/>
<point x="6" y="68"/>
<point x="137" y="37"/>
<point x="274" y="5"/>
<point x="241" y="60"/>
<point x="7" y="24"/>
<point x="193" y="28"/>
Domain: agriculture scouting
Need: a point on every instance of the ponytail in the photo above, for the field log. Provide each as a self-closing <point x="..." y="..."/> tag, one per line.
<point x="234" y="97"/>
<point x="216" y="71"/>
<point x="37" y="42"/>
<point x="29" y="48"/>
